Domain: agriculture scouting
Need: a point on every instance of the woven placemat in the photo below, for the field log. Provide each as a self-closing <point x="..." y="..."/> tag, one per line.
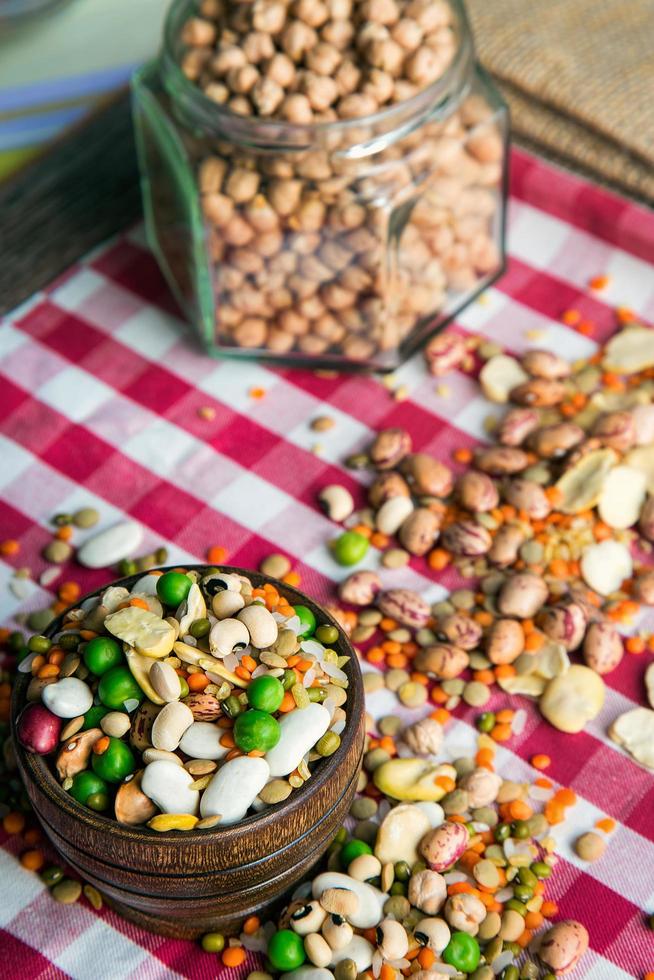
<point x="579" y="78"/>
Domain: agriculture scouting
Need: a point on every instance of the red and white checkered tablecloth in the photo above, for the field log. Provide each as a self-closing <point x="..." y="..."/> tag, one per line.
<point x="99" y="396"/>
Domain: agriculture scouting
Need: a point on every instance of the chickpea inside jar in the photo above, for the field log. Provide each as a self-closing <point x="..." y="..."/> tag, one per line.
<point x="324" y="180"/>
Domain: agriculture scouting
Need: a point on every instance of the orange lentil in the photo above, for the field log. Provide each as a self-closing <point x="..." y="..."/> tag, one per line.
<point x="363" y="530"/>
<point x="32" y="836"/>
<point x="484" y="755"/>
<point x="249" y="662"/>
<point x="388" y="745"/>
<point x="501" y="733"/>
<point x="548" y="909"/>
<point x="292" y="578"/>
<point x="391" y="646"/>
<point x="217" y="554"/>
<point x="9" y="547"/>
<point x="227" y="741"/>
<point x="586" y="328"/>
<point x="606" y="824"/>
<point x="379" y="540"/>
<point x="624" y="314"/>
<point x="540" y="761"/>
<point x="32" y="860"/>
<point x="534" y="642"/>
<point x="48" y="670"/>
<point x="533" y="920"/>
<point x="483" y="618"/>
<point x="649" y="975"/>
<point x="426" y="958"/>
<point x="483" y="676"/>
<point x="256" y="753"/>
<point x="375" y="655"/>
<point x="559" y="568"/>
<point x="56" y="656"/>
<point x="441" y="715"/>
<point x="233" y="754"/>
<point x="504" y="670"/>
<point x="419" y="678"/>
<point x="251" y="924"/>
<point x="508" y="512"/>
<point x="571" y="317"/>
<point x="439" y="696"/>
<point x="387" y="624"/>
<point x="139" y="603"/>
<point x="519" y="810"/>
<point x="387" y="972"/>
<point x="257" y="393"/>
<point x="397" y="660"/>
<point x="37" y="663"/>
<point x="524" y="938"/>
<point x="233" y="956"/>
<point x="13" y="823"/>
<point x="101" y="745"/>
<point x="461" y="887"/>
<point x="554" y="812"/>
<point x="438" y="559"/>
<point x="288" y="703"/>
<point x="446" y="783"/>
<point x="197" y="682"/>
<point x="504" y="715"/>
<point x="69" y="591"/>
<point x="567" y="797"/>
<point x="635" y="644"/>
<point x="599" y="282"/>
<point x="543" y="782"/>
<point x="64" y="533"/>
<point x="462" y="455"/>
<point x="242" y="673"/>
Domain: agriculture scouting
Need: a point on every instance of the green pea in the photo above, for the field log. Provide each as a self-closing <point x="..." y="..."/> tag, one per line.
<point x="462" y="952"/>
<point x="486" y="721"/>
<point x="101" y="654"/>
<point x="327" y="634"/>
<point x="265" y="693"/>
<point x="307" y="619"/>
<point x="402" y="871"/>
<point x="523" y="893"/>
<point x="38" y="644"/>
<point x="516" y="906"/>
<point x="118" y="686"/>
<point x="354" y="849"/>
<point x="199" y="628"/>
<point x="94" y="716"/>
<point x="350" y="548"/>
<point x="98" y="801"/>
<point x="116" y="762"/>
<point x="256" y="730"/>
<point x="328" y="744"/>
<point x="183" y="688"/>
<point x="51" y="876"/>
<point x="541" y="869"/>
<point x="232" y="706"/>
<point x="502" y="832"/>
<point x="85" y="784"/>
<point x="286" y="950"/>
<point x="519" y="829"/>
<point x="213" y="942"/>
<point x="173" y="588"/>
<point x="527" y="877"/>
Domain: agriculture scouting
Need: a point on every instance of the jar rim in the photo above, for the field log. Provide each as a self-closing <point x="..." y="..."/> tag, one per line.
<point x="208" y="113"/>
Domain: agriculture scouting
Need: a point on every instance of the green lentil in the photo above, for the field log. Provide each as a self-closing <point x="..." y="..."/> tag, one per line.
<point x="86" y="517"/>
<point x="455" y="802"/>
<point x="67" y="891"/>
<point x="513" y="948"/>
<point x="485" y="814"/>
<point x="482" y="973"/>
<point x="529" y="971"/>
<point x="493" y="949"/>
<point x="412" y="694"/>
<point x="40" y="619"/>
<point x="454" y="687"/>
<point x="51" y="876"/>
<point x="397" y="907"/>
<point x="372" y="681"/>
<point x="463" y="765"/>
<point x="510" y="973"/>
<point x="537" y="824"/>
<point x="327" y="634"/>
<point x="375" y="758"/>
<point x="463" y="599"/>
<point x="476" y="694"/>
<point x="328" y="744"/>
<point x="183" y="688"/>
<point x="417" y="867"/>
<point x="390" y="725"/>
<point x="161" y="556"/>
<point x="541" y="869"/>
<point x="363" y="808"/>
<point x="395" y="678"/>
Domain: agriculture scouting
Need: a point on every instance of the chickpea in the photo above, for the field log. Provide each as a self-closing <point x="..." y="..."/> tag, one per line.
<point x="424" y="66"/>
<point x="194" y="61"/>
<point x="407" y="33"/>
<point x="349" y="215"/>
<point x="355" y="279"/>
<point x="486" y="146"/>
<point x="380" y="85"/>
<point x="309" y="216"/>
<point x="267" y="96"/>
<point x="297" y="109"/>
<point x="314" y="269"/>
<point x="312" y="12"/>
<point x="324" y="59"/>
<point x="268" y="16"/>
<point x="311" y="344"/>
<point x="338" y="33"/>
<point x="314" y="165"/>
<point x="231" y="279"/>
<point x="280" y="69"/>
<point x="339" y="9"/>
<point x="303" y="287"/>
<point x="229" y="316"/>
<point x="285" y="262"/>
<point x="218" y="208"/>
<point x="217" y="92"/>
<point x="387" y="55"/>
<point x="284" y="195"/>
<point x="198" y="33"/>
<point x="258" y="46"/>
<point x="355" y="106"/>
<point x="358" y="348"/>
<point x="335" y="256"/>
<point x="210" y="175"/>
<point x="335" y="297"/>
<point x="269" y="243"/>
<point x="430" y="14"/>
<point x="247" y="260"/>
<point x="293" y="323"/>
<point x="240" y="105"/>
<point x="297" y="38"/>
<point x="328" y="327"/>
<point x="242" y="80"/>
<point x="211" y="9"/>
<point x="242" y="185"/>
<point x="305" y="244"/>
<point x="320" y="90"/>
<point x="249" y="301"/>
<point x="404" y="90"/>
<point x="280" y="298"/>
<point x="379" y="11"/>
<point x="279" y="341"/>
<point x="251" y="332"/>
<point x="347" y="78"/>
<point x="229" y="56"/>
<point x="237" y="231"/>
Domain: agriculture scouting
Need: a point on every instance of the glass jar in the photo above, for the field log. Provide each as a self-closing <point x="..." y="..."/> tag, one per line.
<point x="335" y="244"/>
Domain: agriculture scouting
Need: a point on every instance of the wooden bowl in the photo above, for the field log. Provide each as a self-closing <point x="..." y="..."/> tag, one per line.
<point x="186" y="884"/>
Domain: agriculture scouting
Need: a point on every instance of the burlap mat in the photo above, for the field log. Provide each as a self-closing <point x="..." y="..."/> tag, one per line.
<point x="579" y="78"/>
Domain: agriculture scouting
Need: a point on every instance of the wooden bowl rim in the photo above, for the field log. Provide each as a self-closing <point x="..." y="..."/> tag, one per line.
<point x="38" y="769"/>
